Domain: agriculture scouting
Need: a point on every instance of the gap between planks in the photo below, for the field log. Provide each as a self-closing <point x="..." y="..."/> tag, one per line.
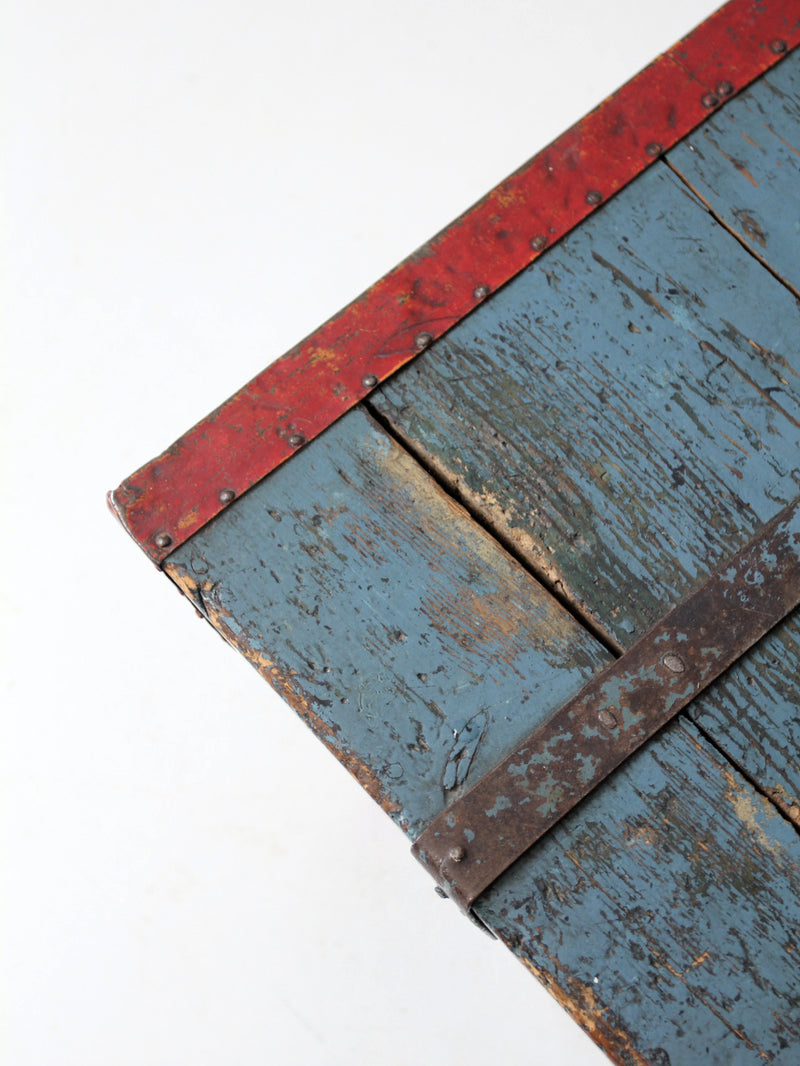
<point x="783" y="809"/>
<point x="559" y="592"/>
<point x="571" y="604"/>
<point x="729" y="229"/>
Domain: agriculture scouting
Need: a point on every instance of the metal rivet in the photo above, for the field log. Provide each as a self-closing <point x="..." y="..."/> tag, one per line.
<point x="654" y="149"/>
<point x="480" y="292"/>
<point x="369" y="381"/>
<point x="422" y="340"/>
<point x="607" y="718"/>
<point x="297" y="440"/>
<point x="441" y="892"/>
<point x="778" y="47"/>
<point x="594" y="196"/>
<point x="457" y="854"/>
<point x="539" y="243"/>
<point x="226" y="495"/>
<point x="163" y="540"/>
<point x="725" y="88"/>
<point x="674" y="663"/>
<point x="710" y="100"/>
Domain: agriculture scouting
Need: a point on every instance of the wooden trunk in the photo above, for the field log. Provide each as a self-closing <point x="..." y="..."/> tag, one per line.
<point x="516" y="491"/>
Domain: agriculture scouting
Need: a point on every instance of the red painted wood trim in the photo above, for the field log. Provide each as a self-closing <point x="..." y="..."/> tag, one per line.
<point x="306" y="390"/>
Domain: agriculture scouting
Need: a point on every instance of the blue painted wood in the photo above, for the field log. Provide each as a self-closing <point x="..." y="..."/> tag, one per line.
<point x="664" y="913"/>
<point x="754" y="711"/>
<point x="607" y="413"/>
<point x="623" y="415"/>
<point x="745" y="164"/>
<point x="600" y="411"/>
<point x="419" y="652"/>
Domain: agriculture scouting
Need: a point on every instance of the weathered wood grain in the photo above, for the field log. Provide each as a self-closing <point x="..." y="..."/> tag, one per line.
<point x="663" y="913"/>
<point x="600" y="409"/>
<point x="417" y="650"/>
<point x="609" y="414"/>
<point x="755" y="708"/>
<point x="745" y="164"/>
<point x="625" y="416"/>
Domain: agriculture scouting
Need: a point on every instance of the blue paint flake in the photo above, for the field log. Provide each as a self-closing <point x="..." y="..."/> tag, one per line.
<point x="502" y="803"/>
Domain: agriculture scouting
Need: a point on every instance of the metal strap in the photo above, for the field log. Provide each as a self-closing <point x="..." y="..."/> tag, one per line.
<point x="480" y="835"/>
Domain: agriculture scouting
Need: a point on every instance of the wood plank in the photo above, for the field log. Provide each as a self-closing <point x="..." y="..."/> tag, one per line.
<point x="755" y="706"/>
<point x="663" y="913"/>
<point x="599" y="409"/>
<point x="416" y="649"/>
<point x="645" y="429"/>
<point x="607" y="414"/>
<point x="256" y="430"/>
<point x="745" y="164"/>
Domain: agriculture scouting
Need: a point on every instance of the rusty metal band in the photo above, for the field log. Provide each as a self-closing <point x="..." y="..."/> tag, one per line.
<point x="492" y="825"/>
<point x="306" y="390"/>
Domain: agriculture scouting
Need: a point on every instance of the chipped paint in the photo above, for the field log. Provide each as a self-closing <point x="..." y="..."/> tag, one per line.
<point x="583" y="1003"/>
<point x="735" y="607"/>
<point x="286" y="683"/>
<point x="707" y="876"/>
<point x="465" y="746"/>
<point x="354" y="548"/>
<point x="745" y="166"/>
<point x="753" y="813"/>
<point x="693" y="948"/>
<point x="516" y="409"/>
<point x="311" y="386"/>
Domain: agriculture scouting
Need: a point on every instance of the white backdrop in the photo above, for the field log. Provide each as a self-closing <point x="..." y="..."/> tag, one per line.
<point x="189" y="188"/>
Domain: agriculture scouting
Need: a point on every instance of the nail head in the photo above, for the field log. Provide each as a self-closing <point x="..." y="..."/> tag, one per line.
<point x="539" y="243"/>
<point x="594" y="196"/>
<point x="422" y="340"/>
<point x="226" y="495"/>
<point x="297" y="440"/>
<point x="457" y="853"/>
<point x="654" y="149"/>
<point x="674" y="663"/>
<point x="606" y="718"/>
<point x="710" y="100"/>
<point x="778" y="47"/>
<point x="725" y="88"/>
<point x="480" y="292"/>
<point x="369" y="381"/>
<point x="163" y="540"/>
